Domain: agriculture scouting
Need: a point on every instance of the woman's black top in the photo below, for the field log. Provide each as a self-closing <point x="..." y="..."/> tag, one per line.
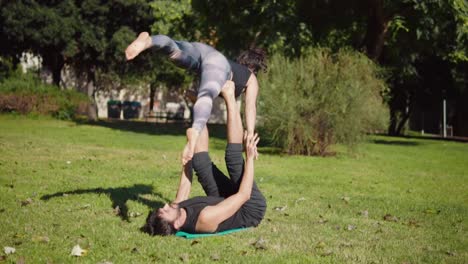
<point x="240" y="76"/>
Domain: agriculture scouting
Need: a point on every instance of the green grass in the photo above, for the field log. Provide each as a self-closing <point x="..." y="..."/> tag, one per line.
<point x="75" y="174"/>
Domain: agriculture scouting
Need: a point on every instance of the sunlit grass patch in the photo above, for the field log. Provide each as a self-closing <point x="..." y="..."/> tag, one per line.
<point x="394" y="201"/>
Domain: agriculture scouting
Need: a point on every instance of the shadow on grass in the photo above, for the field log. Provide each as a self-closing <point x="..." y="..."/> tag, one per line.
<point x="424" y="137"/>
<point x="152" y="128"/>
<point x="119" y="197"/>
<point x="396" y="142"/>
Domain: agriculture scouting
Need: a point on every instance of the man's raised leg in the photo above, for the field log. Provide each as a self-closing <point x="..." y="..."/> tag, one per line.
<point x="213" y="181"/>
<point x="235" y="132"/>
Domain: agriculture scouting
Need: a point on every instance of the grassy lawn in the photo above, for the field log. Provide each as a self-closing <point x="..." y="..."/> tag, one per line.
<point x="397" y="200"/>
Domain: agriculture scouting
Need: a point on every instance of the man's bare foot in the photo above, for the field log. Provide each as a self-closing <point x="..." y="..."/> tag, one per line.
<point x="138" y="45"/>
<point x="187" y="154"/>
<point x="228" y="90"/>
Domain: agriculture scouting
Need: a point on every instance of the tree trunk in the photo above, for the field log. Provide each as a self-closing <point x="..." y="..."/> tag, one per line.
<point x="377" y="28"/>
<point x="402" y="123"/>
<point x="86" y="85"/>
<point x="393" y="122"/>
<point x="92" y="109"/>
<point x="54" y="62"/>
<point x="401" y="108"/>
<point x="152" y="93"/>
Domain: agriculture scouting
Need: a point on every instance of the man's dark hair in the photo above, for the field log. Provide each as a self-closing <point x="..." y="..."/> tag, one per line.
<point x="157" y="226"/>
<point x="255" y="59"/>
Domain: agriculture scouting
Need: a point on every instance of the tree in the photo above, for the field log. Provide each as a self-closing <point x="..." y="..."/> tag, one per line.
<point x="45" y="28"/>
<point x="400" y="35"/>
<point x="88" y="35"/>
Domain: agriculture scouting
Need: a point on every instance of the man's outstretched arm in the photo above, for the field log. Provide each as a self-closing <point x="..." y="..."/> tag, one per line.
<point x="185" y="184"/>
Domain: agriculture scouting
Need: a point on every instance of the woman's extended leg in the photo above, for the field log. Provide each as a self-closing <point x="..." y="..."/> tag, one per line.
<point x="182" y="53"/>
<point x="215" y="71"/>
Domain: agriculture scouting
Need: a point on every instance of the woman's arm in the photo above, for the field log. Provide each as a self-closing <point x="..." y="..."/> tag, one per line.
<point x="251" y="104"/>
<point x="211" y="216"/>
<point x="185" y="183"/>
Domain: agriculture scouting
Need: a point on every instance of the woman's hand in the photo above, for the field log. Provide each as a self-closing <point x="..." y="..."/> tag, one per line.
<point x="256" y="150"/>
<point x="250" y="143"/>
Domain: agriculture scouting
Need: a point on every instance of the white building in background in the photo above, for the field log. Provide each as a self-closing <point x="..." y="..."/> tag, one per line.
<point x="173" y="102"/>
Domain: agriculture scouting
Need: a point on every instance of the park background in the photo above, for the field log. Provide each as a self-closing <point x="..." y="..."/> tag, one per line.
<point x="354" y="160"/>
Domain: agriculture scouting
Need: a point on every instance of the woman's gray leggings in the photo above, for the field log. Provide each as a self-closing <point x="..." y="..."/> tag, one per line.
<point x="213" y="67"/>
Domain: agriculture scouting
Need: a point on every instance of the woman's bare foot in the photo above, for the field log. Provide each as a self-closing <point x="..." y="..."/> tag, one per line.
<point x="138" y="45"/>
<point x="228" y="90"/>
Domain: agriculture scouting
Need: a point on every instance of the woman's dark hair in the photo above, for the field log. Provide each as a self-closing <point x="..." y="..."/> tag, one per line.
<point x="157" y="226"/>
<point x="255" y="59"/>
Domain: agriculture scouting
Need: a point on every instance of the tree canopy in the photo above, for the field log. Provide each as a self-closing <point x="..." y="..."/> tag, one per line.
<point x="413" y="39"/>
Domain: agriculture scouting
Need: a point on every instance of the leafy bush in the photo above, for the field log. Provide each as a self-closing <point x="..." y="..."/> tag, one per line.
<point x="310" y="103"/>
<point x="25" y="93"/>
<point x="6" y="68"/>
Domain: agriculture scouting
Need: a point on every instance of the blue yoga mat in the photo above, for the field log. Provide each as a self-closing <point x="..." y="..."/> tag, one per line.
<point x="191" y="236"/>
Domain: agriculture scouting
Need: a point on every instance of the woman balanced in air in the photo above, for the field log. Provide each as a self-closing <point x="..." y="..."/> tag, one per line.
<point x="214" y="70"/>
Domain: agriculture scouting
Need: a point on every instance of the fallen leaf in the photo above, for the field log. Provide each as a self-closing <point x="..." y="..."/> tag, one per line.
<point x="390" y="218"/>
<point x="77" y="251"/>
<point x="346" y="244"/>
<point x="300" y="200"/>
<point x="350" y="227"/>
<point x="215" y="257"/>
<point x="346" y="199"/>
<point x="3" y="258"/>
<point x="260" y="244"/>
<point x="431" y="211"/>
<point x="320" y="244"/>
<point x="41" y="239"/>
<point x="17" y="235"/>
<point x="26" y="202"/>
<point x="322" y="221"/>
<point x="413" y="223"/>
<point x="85" y="206"/>
<point x="364" y="213"/>
<point x="9" y="250"/>
<point x="21" y="260"/>
<point x="184" y="257"/>
<point x="117" y="210"/>
<point x="327" y="252"/>
<point x="280" y="208"/>
<point x="134" y="214"/>
<point x="194" y="242"/>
